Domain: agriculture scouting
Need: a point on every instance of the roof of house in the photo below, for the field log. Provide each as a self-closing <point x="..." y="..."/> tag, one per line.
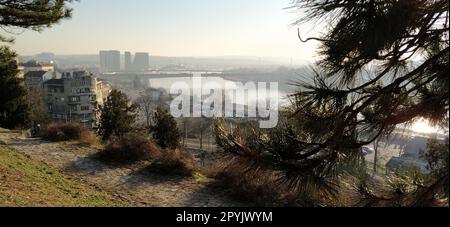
<point x="55" y="82"/>
<point x="35" y="74"/>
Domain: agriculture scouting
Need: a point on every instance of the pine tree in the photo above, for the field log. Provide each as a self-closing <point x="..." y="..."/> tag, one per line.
<point x="165" y="130"/>
<point x="13" y="105"/>
<point x="31" y="14"/>
<point x="404" y="47"/>
<point x="117" y="116"/>
<point x="383" y="63"/>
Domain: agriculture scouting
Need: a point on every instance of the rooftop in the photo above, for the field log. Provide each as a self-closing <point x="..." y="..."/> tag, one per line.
<point x="55" y="82"/>
<point x="35" y="74"/>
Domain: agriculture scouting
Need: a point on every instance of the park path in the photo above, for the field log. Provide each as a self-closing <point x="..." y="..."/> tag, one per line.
<point x="131" y="184"/>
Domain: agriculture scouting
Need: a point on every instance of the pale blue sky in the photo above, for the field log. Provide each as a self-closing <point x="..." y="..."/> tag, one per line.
<point x="174" y="28"/>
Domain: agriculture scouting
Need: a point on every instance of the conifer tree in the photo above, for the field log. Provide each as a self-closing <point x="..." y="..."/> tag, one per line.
<point x="117" y="116"/>
<point x="382" y="64"/>
<point x="165" y="130"/>
<point x="13" y="104"/>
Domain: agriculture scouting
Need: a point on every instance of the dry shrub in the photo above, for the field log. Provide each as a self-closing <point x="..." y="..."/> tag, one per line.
<point x="130" y="148"/>
<point x="253" y="185"/>
<point x="173" y="162"/>
<point x="69" y="132"/>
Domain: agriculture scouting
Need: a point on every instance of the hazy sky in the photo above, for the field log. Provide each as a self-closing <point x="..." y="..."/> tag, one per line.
<point x="174" y="28"/>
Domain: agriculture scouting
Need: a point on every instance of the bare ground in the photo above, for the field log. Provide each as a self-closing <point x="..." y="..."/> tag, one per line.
<point x="129" y="183"/>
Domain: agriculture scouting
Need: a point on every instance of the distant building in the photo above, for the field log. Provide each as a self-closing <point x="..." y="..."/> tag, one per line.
<point x="399" y="164"/>
<point x="109" y="61"/>
<point x="141" y="62"/>
<point x="33" y="65"/>
<point x="128" y="61"/>
<point x="413" y="150"/>
<point x="415" y="147"/>
<point x="37" y="78"/>
<point x="74" y="97"/>
<point x="46" y="57"/>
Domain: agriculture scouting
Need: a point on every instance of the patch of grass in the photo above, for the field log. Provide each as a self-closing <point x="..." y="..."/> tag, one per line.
<point x="25" y="182"/>
<point x="69" y="132"/>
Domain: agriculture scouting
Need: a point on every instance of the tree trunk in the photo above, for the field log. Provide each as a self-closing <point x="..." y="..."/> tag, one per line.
<point x="185" y="134"/>
<point x="201" y="140"/>
<point x="375" y="161"/>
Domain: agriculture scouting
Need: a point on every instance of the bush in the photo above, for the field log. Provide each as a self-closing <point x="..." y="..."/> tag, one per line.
<point x="130" y="148"/>
<point x="253" y="185"/>
<point x="173" y="162"/>
<point x="69" y="132"/>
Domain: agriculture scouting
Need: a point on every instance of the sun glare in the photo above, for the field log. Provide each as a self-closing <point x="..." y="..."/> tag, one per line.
<point x="423" y="126"/>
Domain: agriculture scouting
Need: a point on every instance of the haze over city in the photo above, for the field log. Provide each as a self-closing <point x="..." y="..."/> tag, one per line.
<point x="259" y="28"/>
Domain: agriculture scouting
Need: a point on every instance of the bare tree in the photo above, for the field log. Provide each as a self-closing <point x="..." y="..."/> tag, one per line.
<point x="148" y="102"/>
<point x="202" y="126"/>
<point x="185" y="123"/>
<point x="146" y="107"/>
<point x="376" y="148"/>
<point x="38" y="108"/>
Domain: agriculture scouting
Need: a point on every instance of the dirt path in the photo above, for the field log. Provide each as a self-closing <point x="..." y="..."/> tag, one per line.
<point x="129" y="183"/>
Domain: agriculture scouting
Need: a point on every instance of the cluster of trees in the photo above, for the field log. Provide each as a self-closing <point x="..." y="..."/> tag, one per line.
<point x="118" y="117"/>
<point x="149" y="114"/>
<point x="15" y="109"/>
<point x="190" y="128"/>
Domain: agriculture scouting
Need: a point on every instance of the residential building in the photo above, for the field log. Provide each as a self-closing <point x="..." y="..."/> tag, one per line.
<point x="74" y="97"/>
<point x="33" y="65"/>
<point x="37" y="78"/>
<point x="109" y="61"/>
<point x="141" y="62"/>
<point x="128" y="61"/>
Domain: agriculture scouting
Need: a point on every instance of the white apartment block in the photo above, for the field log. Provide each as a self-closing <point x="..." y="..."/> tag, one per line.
<point x="75" y="96"/>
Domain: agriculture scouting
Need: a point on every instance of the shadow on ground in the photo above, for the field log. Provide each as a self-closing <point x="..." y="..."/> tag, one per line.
<point x="145" y="175"/>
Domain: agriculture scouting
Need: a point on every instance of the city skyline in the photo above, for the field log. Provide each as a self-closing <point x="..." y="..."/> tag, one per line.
<point x="203" y="28"/>
<point x="111" y="61"/>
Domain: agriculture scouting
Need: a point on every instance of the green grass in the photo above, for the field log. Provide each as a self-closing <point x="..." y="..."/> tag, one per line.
<point x="25" y="182"/>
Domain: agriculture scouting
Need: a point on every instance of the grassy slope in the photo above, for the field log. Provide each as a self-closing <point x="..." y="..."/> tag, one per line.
<point x="25" y="182"/>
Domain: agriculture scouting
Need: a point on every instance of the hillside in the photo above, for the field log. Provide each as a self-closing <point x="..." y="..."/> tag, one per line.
<point x="25" y="182"/>
<point x="36" y="171"/>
